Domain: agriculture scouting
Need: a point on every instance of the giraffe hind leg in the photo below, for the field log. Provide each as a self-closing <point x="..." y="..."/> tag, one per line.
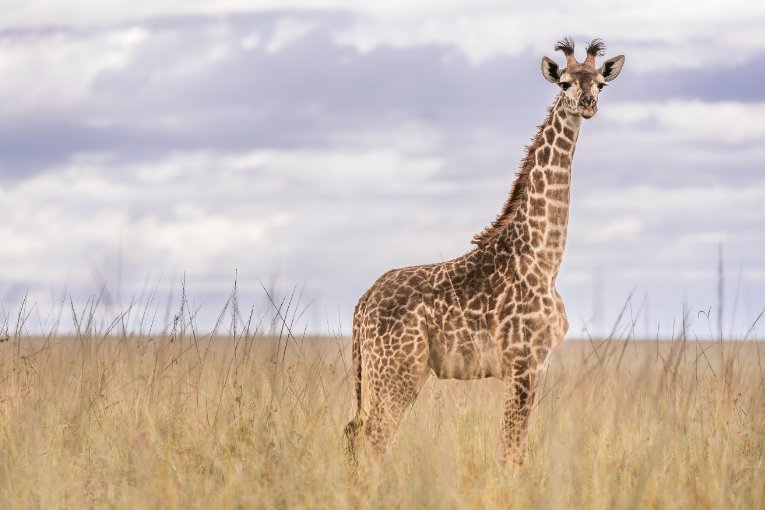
<point x="389" y="401"/>
<point x="381" y="427"/>
<point x="351" y="434"/>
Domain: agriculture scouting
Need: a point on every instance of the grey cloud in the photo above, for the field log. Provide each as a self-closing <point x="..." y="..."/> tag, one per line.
<point x="316" y="95"/>
<point x="735" y="82"/>
<point x="307" y="93"/>
<point x="300" y="97"/>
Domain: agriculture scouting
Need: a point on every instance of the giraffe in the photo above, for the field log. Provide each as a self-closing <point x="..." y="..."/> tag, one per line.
<point x="495" y="311"/>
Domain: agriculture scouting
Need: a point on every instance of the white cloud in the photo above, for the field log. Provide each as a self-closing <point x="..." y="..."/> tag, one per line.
<point x="250" y="41"/>
<point x="379" y="170"/>
<point x="656" y="203"/>
<point x="656" y="34"/>
<point x="53" y="71"/>
<point x="288" y="31"/>
<point x="612" y="229"/>
<point x="722" y="122"/>
<point x="347" y="203"/>
<point x="201" y="212"/>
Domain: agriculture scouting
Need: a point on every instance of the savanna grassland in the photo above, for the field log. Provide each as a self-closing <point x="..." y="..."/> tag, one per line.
<point x="248" y="421"/>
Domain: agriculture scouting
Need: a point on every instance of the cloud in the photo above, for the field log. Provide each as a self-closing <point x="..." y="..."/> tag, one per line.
<point x="657" y="35"/>
<point x="331" y="146"/>
<point x="287" y="31"/>
<point x="54" y="70"/>
<point x="189" y="84"/>
<point x="198" y="211"/>
<point x="718" y="122"/>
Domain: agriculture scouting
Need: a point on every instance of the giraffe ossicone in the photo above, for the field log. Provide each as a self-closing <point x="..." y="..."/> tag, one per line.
<point x="495" y="311"/>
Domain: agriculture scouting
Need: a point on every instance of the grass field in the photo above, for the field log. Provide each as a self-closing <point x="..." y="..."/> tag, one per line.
<point x="180" y="421"/>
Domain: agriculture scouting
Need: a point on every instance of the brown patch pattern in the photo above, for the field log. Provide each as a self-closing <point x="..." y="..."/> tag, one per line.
<point x="493" y="312"/>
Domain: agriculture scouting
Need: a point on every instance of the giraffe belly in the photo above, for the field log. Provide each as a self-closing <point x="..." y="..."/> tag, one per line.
<point x="467" y="359"/>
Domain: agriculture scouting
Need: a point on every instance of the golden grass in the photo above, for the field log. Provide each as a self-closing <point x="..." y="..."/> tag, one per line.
<point x="139" y="422"/>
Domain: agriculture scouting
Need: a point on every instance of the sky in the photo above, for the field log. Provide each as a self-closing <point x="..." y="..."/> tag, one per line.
<point x="301" y="149"/>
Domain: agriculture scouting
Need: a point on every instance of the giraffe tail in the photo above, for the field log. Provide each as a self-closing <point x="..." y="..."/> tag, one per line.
<point x="353" y="428"/>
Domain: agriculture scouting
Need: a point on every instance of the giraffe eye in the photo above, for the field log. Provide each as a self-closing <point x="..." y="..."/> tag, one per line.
<point x="565" y="85"/>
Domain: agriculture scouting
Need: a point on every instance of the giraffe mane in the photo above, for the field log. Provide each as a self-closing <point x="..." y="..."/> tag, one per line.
<point x="518" y="193"/>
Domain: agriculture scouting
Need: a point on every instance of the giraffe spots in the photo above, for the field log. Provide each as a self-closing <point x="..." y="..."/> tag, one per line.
<point x="403" y="370"/>
<point x="399" y="299"/>
<point x="536" y="224"/>
<point x="561" y="195"/>
<point x="528" y="332"/>
<point x="523" y="265"/>
<point x="540" y="353"/>
<point x="556" y="177"/>
<point x="554" y="238"/>
<point x="543" y="156"/>
<point x="563" y="144"/>
<point x="520" y="366"/>
<point x="555" y="160"/>
<point x="478" y="305"/>
<point x="538" y="180"/>
<point x="497" y="281"/>
<point x="537" y="206"/>
<point x="523" y="233"/>
<point x="557" y="215"/>
<point x="490" y="321"/>
<point x="519" y="351"/>
<point x="493" y="311"/>
<point x="465" y="349"/>
<point x="384" y="325"/>
<point x="515" y="324"/>
<point x="527" y="307"/>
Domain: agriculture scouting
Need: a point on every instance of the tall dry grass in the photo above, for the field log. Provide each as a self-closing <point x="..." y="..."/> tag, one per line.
<point x="98" y="420"/>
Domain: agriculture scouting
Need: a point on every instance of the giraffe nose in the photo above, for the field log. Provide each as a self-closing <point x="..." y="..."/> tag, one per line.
<point x="588" y="101"/>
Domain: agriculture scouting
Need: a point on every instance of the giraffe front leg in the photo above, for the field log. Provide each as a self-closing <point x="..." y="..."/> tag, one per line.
<point x="519" y="398"/>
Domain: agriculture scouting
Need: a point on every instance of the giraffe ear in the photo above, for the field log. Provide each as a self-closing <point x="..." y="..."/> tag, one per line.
<point x="612" y="67"/>
<point x="550" y="70"/>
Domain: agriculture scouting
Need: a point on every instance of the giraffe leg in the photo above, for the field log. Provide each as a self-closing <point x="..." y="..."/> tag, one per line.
<point x="388" y="403"/>
<point x="380" y="429"/>
<point x="519" y="399"/>
<point x="351" y="434"/>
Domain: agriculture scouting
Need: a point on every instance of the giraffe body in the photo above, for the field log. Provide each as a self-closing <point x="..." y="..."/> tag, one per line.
<point x="493" y="312"/>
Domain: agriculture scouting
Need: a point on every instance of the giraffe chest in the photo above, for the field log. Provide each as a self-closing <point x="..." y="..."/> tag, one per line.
<point x="477" y="343"/>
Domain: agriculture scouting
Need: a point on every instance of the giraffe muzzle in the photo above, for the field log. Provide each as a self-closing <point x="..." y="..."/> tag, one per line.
<point x="588" y="106"/>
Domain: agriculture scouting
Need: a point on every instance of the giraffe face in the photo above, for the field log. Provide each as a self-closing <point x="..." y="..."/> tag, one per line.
<point x="581" y="84"/>
<point x="580" y="87"/>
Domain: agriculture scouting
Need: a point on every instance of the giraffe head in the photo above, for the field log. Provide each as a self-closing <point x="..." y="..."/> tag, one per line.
<point x="581" y="83"/>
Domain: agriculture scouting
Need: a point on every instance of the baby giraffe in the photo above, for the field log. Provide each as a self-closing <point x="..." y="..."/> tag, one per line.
<point x="495" y="311"/>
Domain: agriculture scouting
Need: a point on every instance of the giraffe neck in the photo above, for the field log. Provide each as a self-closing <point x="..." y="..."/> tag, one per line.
<point x="540" y="222"/>
<point x="534" y="219"/>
